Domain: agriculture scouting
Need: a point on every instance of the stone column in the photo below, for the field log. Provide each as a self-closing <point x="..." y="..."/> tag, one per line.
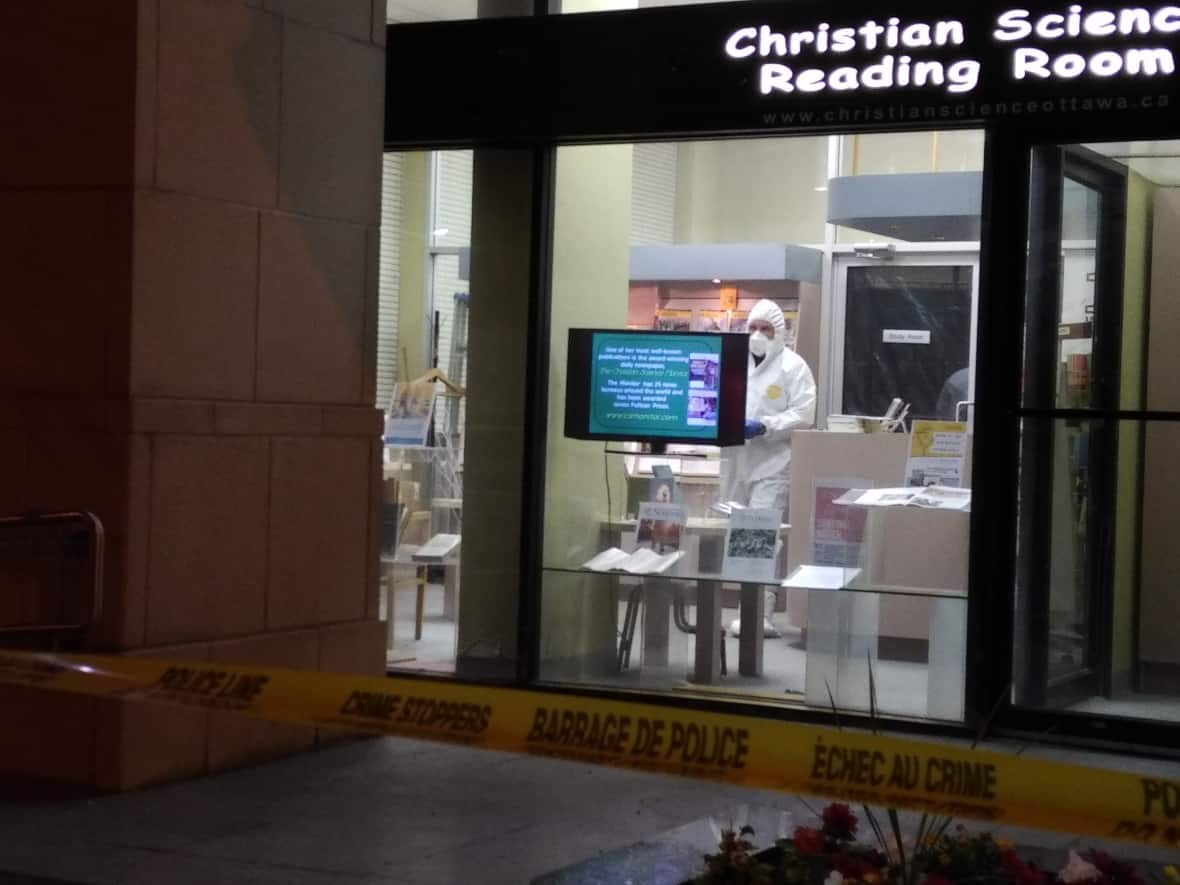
<point x="190" y="214"/>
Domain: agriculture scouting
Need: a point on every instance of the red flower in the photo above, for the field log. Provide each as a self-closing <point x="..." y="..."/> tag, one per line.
<point x="808" y="840"/>
<point x="839" y="821"/>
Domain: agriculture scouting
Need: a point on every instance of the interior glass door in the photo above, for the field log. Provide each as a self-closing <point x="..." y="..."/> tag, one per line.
<point x="1072" y="344"/>
<point x="906" y="330"/>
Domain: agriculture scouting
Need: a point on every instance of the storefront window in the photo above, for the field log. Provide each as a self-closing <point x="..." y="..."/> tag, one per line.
<point x="1097" y="574"/>
<point x="790" y="568"/>
<point x="421" y="379"/>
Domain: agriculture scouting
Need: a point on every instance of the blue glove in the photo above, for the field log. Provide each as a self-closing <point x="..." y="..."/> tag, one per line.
<point x="754" y="428"/>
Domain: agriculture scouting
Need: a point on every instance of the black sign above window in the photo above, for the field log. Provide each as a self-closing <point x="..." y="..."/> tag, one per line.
<point x="745" y="67"/>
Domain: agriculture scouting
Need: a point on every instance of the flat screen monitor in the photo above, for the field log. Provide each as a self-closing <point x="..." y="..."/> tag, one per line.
<point x="656" y="387"/>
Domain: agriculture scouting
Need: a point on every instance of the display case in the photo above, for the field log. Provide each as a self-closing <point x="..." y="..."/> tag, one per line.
<point x="888" y="619"/>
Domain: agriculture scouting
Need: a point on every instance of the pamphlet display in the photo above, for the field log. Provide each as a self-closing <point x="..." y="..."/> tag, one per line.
<point x="938" y="451"/>
<point x="752" y="544"/>
<point x="407" y="421"/>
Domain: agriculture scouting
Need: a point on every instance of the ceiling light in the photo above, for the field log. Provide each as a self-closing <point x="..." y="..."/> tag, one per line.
<point x="822" y="188"/>
<point x="716" y="281"/>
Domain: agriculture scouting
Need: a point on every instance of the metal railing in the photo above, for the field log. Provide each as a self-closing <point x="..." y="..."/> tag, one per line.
<point x="51" y="577"/>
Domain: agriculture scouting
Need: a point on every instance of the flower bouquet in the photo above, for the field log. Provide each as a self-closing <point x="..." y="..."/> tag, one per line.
<point x="939" y="854"/>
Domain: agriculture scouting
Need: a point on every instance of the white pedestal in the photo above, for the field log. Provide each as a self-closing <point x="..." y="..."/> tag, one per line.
<point x="841" y="647"/>
<point x="946" y="672"/>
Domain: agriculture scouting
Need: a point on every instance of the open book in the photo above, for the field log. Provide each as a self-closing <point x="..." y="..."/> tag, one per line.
<point x="643" y="561"/>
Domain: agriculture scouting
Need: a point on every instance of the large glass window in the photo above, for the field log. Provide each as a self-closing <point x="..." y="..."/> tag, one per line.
<point x="421" y="379"/>
<point x="1096" y="595"/>
<point x="787" y="565"/>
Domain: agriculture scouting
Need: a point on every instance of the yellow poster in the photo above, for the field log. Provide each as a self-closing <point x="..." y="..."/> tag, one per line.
<point x="938" y="450"/>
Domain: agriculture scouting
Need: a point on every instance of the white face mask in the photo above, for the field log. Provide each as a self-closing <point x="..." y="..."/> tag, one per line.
<point x="759" y="344"/>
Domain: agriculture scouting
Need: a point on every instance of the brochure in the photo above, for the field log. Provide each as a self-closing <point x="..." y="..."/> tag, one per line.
<point x="660" y="526"/>
<point x="664" y="487"/>
<point x="837" y="530"/>
<point x="938" y="450"/>
<point x="643" y="561"/>
<point x="436" y="549"/>
<point x="407" y="421"/>
<point x="752" y="544"/>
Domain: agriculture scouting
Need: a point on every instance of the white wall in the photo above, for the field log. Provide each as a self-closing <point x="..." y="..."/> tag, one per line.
<point x="752" y="191"/>
<point x="653" y="193"/>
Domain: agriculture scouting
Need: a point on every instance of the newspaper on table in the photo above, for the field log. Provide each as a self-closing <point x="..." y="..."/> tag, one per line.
<point x="929" y="497"/>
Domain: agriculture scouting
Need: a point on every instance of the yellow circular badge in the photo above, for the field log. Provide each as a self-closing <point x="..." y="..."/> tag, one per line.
<point x="774" y="391"/>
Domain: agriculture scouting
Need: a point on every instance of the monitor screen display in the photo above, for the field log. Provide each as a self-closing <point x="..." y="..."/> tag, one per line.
<point x="662" y="387"/>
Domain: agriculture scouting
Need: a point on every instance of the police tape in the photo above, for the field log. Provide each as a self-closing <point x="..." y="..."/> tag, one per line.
<point x="742" y="750"/>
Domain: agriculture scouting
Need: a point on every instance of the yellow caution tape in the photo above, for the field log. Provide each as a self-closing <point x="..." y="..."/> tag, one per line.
<point x="751" y="752"/>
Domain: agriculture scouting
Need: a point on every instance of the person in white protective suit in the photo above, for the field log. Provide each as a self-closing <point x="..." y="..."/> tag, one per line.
<point x="780" y="398"/>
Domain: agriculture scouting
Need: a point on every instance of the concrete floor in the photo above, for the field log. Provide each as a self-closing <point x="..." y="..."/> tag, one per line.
<point x="396" y="812"/>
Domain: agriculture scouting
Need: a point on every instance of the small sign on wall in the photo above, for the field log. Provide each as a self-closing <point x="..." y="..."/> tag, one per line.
<point x="906" y="336"/>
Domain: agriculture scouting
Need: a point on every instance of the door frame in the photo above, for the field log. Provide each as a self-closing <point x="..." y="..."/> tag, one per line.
<point x="1051" y="166"/>
<point x="903" y="255"/>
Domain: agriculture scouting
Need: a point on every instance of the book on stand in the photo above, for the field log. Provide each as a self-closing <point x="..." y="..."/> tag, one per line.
<point x="752" y="544"/>
<point x="643" y="561"/>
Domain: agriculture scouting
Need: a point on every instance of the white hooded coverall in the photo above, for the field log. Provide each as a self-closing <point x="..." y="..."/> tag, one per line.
<point x="780" y="392"/>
